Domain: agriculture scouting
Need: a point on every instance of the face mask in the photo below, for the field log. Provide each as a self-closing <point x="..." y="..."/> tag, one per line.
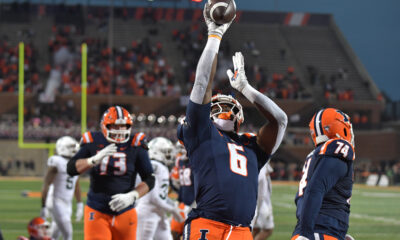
<point x="224" y="125"/>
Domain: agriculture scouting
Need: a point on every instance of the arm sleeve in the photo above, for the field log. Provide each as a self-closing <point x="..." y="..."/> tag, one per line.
<point x="270" y="106"/>
<point x="203" y="70"/>
<point x="82" y="153"/>
<point x="325" y="176"/>
<point x="144" y="168"/>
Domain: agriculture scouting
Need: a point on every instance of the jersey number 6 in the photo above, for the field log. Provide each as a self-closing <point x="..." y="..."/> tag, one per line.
<point x="237" y="161"/>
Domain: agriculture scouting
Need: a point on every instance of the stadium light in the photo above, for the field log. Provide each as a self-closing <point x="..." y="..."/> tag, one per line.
<point x="161" y="120"/>
<point x="171" y="119"/>
<point x="151" y="118"/>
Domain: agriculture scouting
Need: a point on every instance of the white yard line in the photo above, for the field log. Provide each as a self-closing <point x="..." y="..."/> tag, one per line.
<point x="352" y="215"/>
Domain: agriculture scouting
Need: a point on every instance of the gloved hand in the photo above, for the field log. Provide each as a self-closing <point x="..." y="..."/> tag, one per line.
<point x="178" y="214"/>
<point x="238" y="79"/>
<point x="107" y="151"/>
<point x="214" y="29"/>
<point x="44" y="212"/>
<point x="79" y="212"/>
<point x="301" y="238"/>
<point x="121" y="201"/>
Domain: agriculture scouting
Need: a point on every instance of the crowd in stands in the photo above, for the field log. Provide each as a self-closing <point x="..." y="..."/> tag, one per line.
<point x="9" y="67"/>
<point x="330" y="89"/>
<point x="140" y="69"/>
<point x="190" y="41"/>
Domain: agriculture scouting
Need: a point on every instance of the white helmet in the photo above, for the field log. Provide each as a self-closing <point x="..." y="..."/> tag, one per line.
<point x="161" y="149"/>
<point x="67" y="146"/>
<point x="180" y="150"/>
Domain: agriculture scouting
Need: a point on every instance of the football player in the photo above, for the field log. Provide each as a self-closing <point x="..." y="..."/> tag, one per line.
<point x="152" y="209"/>
<point x="323" y="197"/>
<point x="186" y="188"/>
<point x="58" y="201"/>
<point x="263" y="221"/>
<point x="225" y="164"/>
<point x="38" y="229"/>
<point x="114" y="158"/>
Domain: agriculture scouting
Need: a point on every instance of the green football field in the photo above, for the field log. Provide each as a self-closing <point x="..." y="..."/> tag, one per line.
<point x="375" y="212"/>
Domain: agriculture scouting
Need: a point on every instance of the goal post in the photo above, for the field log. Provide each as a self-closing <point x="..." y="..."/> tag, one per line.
<point x="21" y="97"/>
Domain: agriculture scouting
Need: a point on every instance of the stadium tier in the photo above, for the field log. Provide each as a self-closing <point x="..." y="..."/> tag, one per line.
<point x="145" y="59"/>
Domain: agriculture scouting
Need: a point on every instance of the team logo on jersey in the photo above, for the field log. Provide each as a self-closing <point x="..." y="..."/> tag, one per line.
<point x="91" y="216"/>
<point x="203" y="234"/>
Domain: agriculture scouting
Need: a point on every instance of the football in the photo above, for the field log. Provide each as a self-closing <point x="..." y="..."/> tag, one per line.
<point x="221" y="11"/>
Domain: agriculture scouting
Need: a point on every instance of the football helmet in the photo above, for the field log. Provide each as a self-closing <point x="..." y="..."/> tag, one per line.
<point x="67" y="146"/>
<point x="162" y="150"/>
<point x="116" y="116"/>
<point x="180" y="150"/>
<point x="38" y="228"/>
<point x="331" y="123"/>
<point x="225" y="107"/>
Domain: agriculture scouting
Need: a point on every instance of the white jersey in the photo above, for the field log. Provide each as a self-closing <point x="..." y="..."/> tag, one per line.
<point x="157" y="199"/>
<point x="153" y="221"/>
<point x="264" y="185"/>
<point x="64" y="185"/>
<point x="263" y="217"/>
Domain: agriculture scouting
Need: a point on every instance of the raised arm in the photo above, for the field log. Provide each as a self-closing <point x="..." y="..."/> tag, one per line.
<point x="270" y="135"/>
<point x="205" y="71"/>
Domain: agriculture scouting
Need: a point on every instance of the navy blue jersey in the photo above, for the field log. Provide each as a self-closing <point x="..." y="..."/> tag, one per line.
<point x="225" y="167"/>
<point x="115" y="174"/>
<point x="186" y="189"/>
<point x="323" y="199"/>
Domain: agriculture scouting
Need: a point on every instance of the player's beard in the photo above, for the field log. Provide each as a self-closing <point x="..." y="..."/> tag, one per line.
<point x="224" y="125"/>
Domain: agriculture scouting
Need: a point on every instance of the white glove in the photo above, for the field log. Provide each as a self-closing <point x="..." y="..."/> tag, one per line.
<point x="178" y="214"/>
<point x="79" y="212"/>
<point x="107" y="151"/>
<point x="349" y="237"/>
<point x="238" y="79"/>
<point x="123" y="200"/>
<point x="44" y="212"/>
<point x="214" y="29"/>
<point x="301" y="238"/>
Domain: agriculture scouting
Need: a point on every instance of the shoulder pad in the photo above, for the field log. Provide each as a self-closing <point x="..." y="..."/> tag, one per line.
<point x="52" y="161"/>
<point x="339" y="148"/>
<point x="139" y="140"/>
<point x="86" y="138"/>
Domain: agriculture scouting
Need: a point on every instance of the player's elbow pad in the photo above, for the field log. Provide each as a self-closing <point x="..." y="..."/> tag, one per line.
<point x="150" y="181"/>
<point x="71" y="168"/>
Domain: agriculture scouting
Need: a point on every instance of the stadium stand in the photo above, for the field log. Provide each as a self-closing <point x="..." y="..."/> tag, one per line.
<point x="144" y="59"/>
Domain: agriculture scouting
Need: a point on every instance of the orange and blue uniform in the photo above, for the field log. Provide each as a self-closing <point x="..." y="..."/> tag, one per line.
<point x="225" y="167"/>
<point x="323" y="198"/>
<point x="115" y="174"/>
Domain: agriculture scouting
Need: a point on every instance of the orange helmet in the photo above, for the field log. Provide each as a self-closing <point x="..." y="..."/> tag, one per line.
<point x="233" y="111"/>
<point x="331" y="123"/>
<point x="116" y="116"/>
<point x="38" y="229"/>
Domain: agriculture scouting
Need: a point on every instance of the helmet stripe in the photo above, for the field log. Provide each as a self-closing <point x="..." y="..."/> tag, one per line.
<point x="119" y="112"/>
<point x="318" y="124"/>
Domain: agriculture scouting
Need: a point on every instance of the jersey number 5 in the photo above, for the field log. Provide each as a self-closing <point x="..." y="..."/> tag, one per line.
<point x="237" y="161"/>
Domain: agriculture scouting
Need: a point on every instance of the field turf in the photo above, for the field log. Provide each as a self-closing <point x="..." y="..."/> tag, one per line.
<point x="375" y="212"/>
